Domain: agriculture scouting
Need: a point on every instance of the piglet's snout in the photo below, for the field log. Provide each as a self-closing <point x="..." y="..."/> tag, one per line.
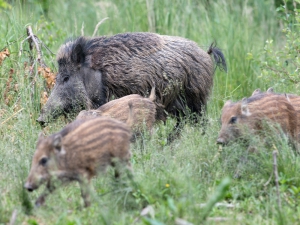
<point x="29" y="186"/>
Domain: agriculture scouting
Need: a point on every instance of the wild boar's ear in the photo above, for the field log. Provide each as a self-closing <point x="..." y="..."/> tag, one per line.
<point x="227" y="103"/>
<point x="77" y="55"/>
<point x="41" y="136"/>
<point x="244" y="107"/>
<point x="270" y="90"/>
<point x="287" y="97"/>
<point x="57" y="142"/>
<point x="256" y="91"/>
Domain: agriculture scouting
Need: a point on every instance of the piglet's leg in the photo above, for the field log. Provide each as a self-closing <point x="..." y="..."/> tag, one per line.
<point x="48" y="190"/>
<point x="85" y="192"/>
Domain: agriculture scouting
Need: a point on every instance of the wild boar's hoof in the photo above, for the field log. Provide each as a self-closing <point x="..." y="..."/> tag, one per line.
<point x="40" y="201"/>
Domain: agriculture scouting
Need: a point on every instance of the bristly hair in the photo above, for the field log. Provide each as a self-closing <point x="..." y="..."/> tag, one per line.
<point x="218" y="56"/>
<point x="66" y="51"/>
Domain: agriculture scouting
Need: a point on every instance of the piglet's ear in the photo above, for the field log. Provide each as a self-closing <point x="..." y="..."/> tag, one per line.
<point x="256" y="91"/>
<point x="57" y="142"/>
<point x="227" y="103"/>
<point x="244" y="107"/>
<point x="41" y="137"/>
<point x="270" y="90"/>
<point x="77" y="55"/>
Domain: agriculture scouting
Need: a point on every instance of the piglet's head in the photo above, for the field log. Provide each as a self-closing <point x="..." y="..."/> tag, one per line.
<point x="44" y="161"/>
<point x="233" y="116"/>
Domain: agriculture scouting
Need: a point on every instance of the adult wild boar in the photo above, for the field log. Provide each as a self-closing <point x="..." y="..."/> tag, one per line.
<point x="251" y="112"/>
<point x="77" y="153"/>
<point x="92" y="70"/>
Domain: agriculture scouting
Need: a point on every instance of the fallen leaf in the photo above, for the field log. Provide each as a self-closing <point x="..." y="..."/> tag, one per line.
<point x="44" y="98"/>
<point x="7" y="95"/>
<point x="48" y="75"/>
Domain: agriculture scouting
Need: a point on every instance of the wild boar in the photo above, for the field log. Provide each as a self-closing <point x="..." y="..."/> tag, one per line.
<point x="251" y="112"/>
<point x="79" y="154"/>
<point x="92" y="70"/>
<point x="145" y="111"/>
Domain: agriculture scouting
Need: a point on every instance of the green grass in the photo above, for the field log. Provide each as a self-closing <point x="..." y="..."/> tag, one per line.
<point x="173" y="180"/>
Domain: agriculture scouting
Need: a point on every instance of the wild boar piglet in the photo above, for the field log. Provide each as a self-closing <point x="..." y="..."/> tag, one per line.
<point x="79" y="154"/>
<point x="251" y="112"/>
<point x="145" y="111"/>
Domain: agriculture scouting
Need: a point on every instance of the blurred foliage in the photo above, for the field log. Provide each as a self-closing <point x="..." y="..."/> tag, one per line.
<point x="280" y="67"/>
<point x="4" y="5"/>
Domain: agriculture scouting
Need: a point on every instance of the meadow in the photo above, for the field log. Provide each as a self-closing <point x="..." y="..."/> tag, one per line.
<point x="174" y="183"/>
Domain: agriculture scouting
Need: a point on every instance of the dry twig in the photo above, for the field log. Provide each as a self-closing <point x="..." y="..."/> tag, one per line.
<point x="3" y="54"/>
<point x="13" y="217"/>
<point x="11" y="116"/>
<point x="33" y="42"/>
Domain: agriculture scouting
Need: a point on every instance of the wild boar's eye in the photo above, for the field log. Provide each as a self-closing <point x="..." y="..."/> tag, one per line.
<point x="232" y="120"/>
<point x="65" y="79"/>
<point x="43" y="161"/>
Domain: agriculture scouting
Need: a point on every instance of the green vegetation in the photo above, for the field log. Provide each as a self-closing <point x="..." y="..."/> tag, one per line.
<point x="182" y="180"/>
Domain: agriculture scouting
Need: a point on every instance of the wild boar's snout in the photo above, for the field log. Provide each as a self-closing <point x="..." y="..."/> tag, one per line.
<point x="221" y="141"/>
<point x="29" y="187"/>
<point x="41" y="121"/>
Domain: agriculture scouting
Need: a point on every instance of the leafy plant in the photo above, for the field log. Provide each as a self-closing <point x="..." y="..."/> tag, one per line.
<point x="281" y="66"/>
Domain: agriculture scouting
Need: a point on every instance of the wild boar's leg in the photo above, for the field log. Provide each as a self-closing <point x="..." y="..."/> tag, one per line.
<point x="42" y="198"/>
<point x="85" y="191"/>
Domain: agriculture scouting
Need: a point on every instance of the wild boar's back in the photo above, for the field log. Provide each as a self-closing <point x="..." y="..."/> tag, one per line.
<point x="275" y="108"/>
<point x="95" y="142"/>
<point x="131" y="63"/>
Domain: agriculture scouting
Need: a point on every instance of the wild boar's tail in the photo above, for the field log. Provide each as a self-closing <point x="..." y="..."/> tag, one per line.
<point x="218" y="56"/>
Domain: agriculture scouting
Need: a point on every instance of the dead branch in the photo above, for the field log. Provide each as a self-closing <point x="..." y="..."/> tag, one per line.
<point x="13" y="217"/>
<point x="33" y="42"/>
<point x="276" y="178"/>
<point x="11" y="116"/>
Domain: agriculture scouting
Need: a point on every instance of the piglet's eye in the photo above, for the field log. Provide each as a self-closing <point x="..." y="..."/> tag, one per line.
<point x="43" y="161"/>
<point x="233" y="120"/>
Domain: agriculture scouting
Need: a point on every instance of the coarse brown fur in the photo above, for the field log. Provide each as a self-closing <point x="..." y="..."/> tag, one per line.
<point x="131" y="63"/>
<point x="79" y="154"/>
<point x="252" y="112"/>
<point x="292" y="98"/>
<point x="145" y="111"/>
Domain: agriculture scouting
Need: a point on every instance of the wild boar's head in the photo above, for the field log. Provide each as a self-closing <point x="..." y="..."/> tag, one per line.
<point x="43" y="162"/>
<point x="234" y="115"/>
<point x="77" y="86"/>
